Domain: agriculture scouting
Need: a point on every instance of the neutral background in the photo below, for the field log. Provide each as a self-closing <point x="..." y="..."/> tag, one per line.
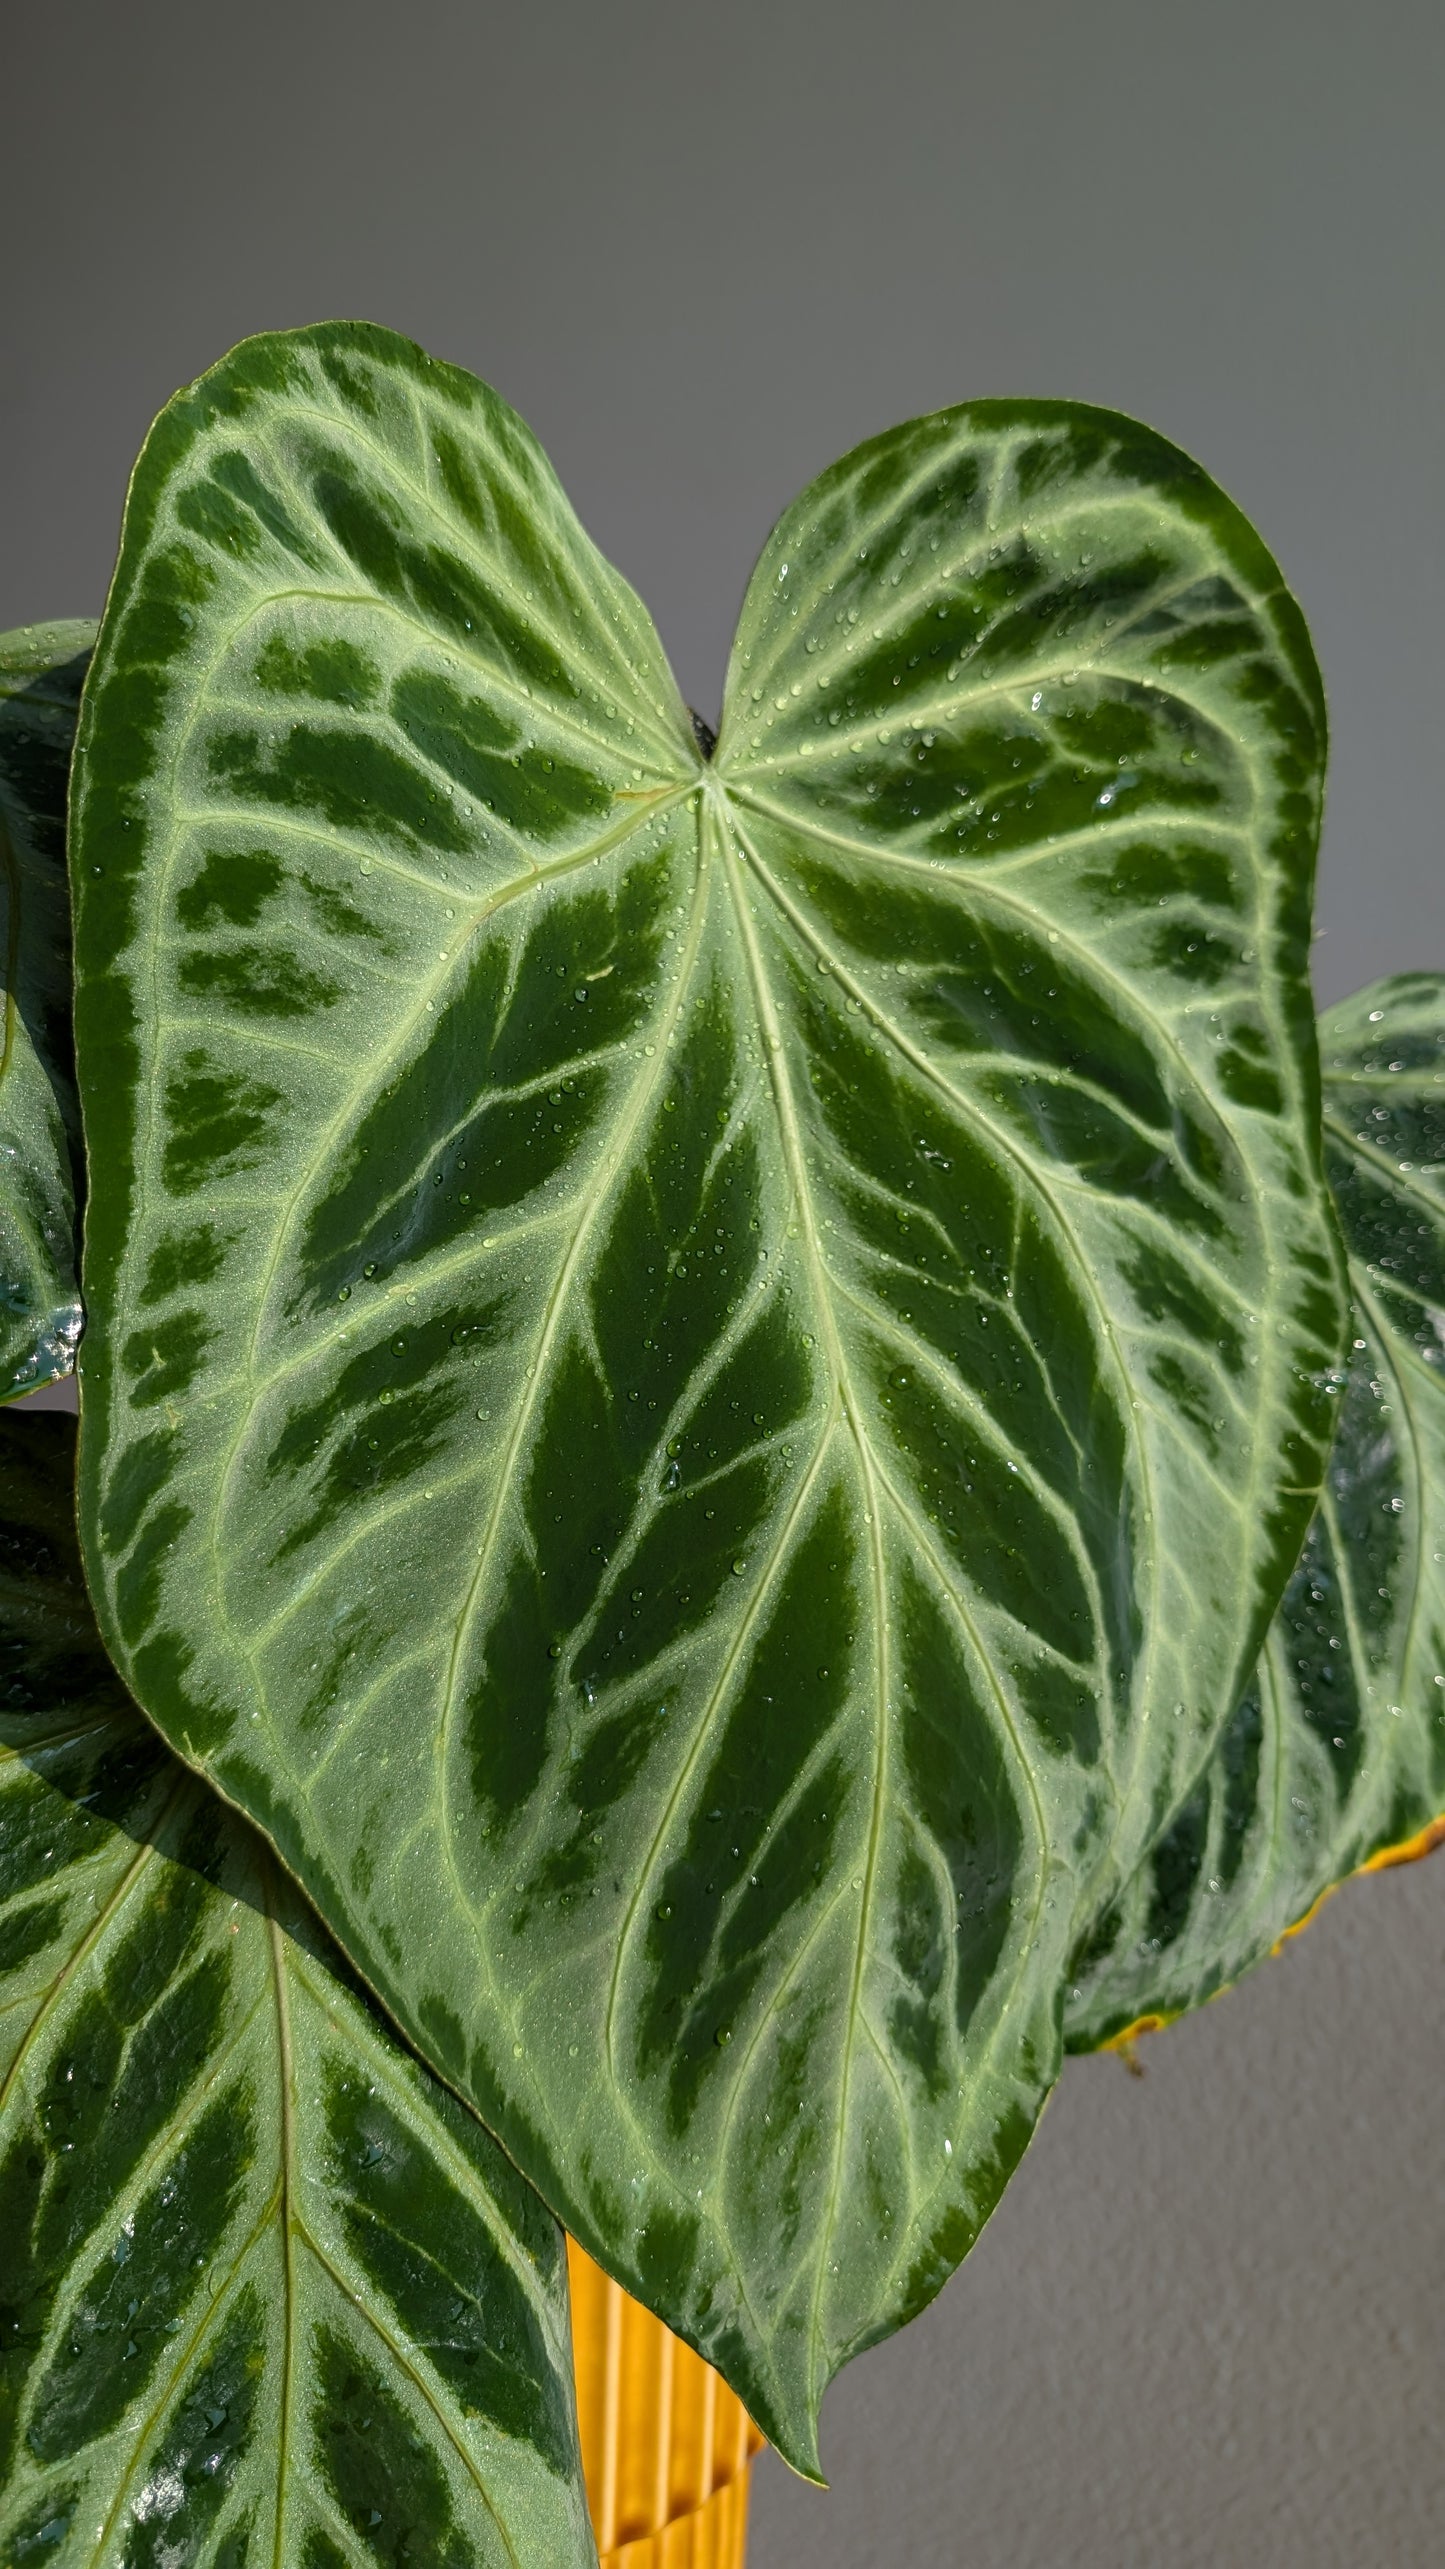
<point x="704" y="250"/>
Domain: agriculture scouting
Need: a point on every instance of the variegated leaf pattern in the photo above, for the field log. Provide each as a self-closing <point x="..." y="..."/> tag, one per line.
<point x="41" y="670"/>
<point x="1335" y="1759"/>
<point x="705" y="1370"/>
<point x="268" y="2294"/>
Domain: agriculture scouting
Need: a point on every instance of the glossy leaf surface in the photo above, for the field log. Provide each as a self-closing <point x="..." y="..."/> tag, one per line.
<point x="1336" y="1756"/>
<point x="271" y="2297"/>
<point x="41" y="670"/>
<point x="705" y="1372"/>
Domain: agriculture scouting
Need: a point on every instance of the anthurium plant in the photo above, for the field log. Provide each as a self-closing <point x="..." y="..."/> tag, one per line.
<point x="754" y="1450"/>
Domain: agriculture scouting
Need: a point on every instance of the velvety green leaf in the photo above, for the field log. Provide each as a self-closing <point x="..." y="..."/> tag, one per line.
<point x="270" y="2295"/>
<point x="1336" y="1756"/>
<point x="41" y="669"/>
<point x="705" y="1372"/>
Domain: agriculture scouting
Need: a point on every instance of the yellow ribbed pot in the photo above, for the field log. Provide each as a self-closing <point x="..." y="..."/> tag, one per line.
<point x="666" y="2446"/>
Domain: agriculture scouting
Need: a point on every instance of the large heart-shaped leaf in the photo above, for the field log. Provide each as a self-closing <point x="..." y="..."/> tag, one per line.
<point x="1335" y="1758"/>
<point x="269" y="2292"/>
<point x="41" y="668"/>
<point x="705" y="1372"/>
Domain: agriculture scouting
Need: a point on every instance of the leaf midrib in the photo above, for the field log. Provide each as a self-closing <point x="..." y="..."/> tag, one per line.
<point x="770" y="1034"/>
<point x="286" y="2186"/>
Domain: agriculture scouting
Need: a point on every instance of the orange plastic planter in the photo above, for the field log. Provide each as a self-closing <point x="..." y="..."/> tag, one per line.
<point x="666" y="2446"/>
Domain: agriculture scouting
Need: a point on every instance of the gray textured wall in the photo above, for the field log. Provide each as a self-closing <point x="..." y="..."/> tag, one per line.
<point x="704" y="250"/>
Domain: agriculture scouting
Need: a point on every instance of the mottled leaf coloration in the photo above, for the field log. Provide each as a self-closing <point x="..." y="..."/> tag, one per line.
<point x="706" y="1369"/>
<point x="1335" y="1758"/>
<point x="41" y="669"/>
<point x="271" y="2297"/>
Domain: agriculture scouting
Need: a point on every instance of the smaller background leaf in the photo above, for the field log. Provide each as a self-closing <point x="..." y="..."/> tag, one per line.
<point x="1335" y="1759"/>
<point x="271" y="2294"/>
<point x="41" y="671"/>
